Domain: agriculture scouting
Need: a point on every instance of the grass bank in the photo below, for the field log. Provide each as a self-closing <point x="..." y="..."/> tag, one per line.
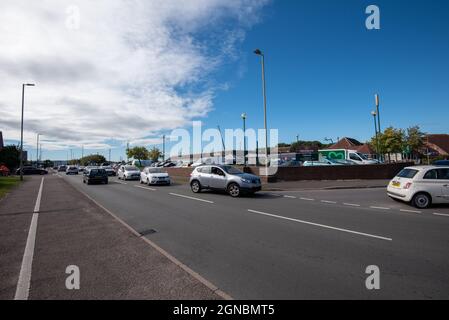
<point x="7" y="183"/>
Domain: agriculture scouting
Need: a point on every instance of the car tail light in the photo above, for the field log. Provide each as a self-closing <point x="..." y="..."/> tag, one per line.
<point x="408" y="185"/>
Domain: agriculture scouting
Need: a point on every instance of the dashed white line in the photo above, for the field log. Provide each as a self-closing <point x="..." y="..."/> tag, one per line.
<point x="410" y="211"/>
<point x="441" y="214"/>
<point x="307" y="199"/>
<point x="23" y="284"/>
<point x="327" y="201"/>
<point x="152" y="189"/>
<point x="351" y="204"/>
<point x="380" y="208"/>
<point x="290" y="197"/>
<point x="120" y="182"/>
<point x="191" y="198"/>
<point x="320" y="225"/>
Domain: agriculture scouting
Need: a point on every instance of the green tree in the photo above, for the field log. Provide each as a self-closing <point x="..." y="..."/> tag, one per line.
<point x="10" y="156"/>
<point x="414" y="140"/>
<point x="392" y="141"/>
<point x="138" y="153"/>
<point x="154" y="154"/>
<point x="296" y="146"/>
<point x="91" y="159"/>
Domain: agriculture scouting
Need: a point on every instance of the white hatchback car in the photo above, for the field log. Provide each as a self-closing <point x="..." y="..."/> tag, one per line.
<point x="421" y="186"/>
<point x="152" y="175"/>
<point x="127" y="172"/>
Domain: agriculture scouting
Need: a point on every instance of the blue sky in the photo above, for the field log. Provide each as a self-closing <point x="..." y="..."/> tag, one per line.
<point x="323" y="68"/>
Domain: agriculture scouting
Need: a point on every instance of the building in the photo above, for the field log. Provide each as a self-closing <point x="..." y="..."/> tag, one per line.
<point x="353" y="144"/>
<point x="437" y="144"/>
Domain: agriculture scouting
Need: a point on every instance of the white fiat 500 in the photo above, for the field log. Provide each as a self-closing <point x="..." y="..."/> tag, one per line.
<point x="421" y="186"/>
<point x="151" y="175"/>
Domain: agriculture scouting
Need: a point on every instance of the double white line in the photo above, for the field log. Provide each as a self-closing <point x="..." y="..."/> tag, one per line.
<point x="23" y="285"/>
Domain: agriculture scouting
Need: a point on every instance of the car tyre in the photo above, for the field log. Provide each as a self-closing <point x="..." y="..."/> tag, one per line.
<point x="422" y="200"/>
<point x="195" y="186"/>
<point x="234" y="190"/>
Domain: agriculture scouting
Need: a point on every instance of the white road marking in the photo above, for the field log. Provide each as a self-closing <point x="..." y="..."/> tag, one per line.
<point x="351" y="204"/>
<point x="411" y="211"/>
<point x="152" y="189"/>
<point x="327" y="201"/>
<point x="321" y="225"/>
<point x="120" y="182"/>
<point x="191" y="198"/>
<point x="290" y="197"/>
<point x="23" y="284"/>
<point x="441" y="214"/>
<point x="307" y="199"/>
<point x="380" y="208"/>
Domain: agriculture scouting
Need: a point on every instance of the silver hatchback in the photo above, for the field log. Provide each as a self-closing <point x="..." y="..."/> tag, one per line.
<point x="224" y="178"/>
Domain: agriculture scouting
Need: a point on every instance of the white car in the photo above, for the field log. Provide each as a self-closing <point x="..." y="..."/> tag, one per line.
<point x="152" y="175"/>
<point x="421" y="185"/>
<point x="127" y="172"/>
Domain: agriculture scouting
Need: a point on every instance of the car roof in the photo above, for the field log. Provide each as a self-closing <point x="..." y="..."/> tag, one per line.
<point x="427" y="167"/>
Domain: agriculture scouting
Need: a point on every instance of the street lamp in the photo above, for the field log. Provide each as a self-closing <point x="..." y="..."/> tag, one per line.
<point x="163" y="147"/>
<point x="21" y="128"/>
<point x="259" y="53"/>
<point x="374" y="114"/>
<point x="244" y="137"/>
<point x="37" y="150"/>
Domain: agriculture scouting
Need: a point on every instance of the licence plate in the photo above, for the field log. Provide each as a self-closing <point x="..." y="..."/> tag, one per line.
<point x="396" y="184"/>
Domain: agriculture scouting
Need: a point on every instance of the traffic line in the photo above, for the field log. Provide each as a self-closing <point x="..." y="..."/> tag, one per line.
<point x="23" y="284"/>
<point x="120" y="182"/>
<point x="410" y="211"/>
<point x="152" y="189"/>
<point x="191" y="198"/>
<point x="307" y="199"/>
<point x="327" y="201"/>
<point x="380" y="208"/>
<point x="321" y="225"/>
<point x="290" y="197"/>
<point x="351" y="204"/>
<point x="441" y="214"/>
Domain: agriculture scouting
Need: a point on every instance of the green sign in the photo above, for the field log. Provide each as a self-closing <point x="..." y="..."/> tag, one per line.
<point x="334" y="154"/>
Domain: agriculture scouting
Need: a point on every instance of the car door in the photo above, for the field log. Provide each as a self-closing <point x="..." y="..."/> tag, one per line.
<point x="204" y="176"/>
<point x="432" y="185"/>
<point x="443" y="178"/>
<point x="217" y="178"/>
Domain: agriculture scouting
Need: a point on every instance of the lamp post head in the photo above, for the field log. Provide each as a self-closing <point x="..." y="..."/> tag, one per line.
<point x="258" y="52"/>
<point x="29" y="84"/>
<point x="373" y="113"/>
<point x="243" y="115"/>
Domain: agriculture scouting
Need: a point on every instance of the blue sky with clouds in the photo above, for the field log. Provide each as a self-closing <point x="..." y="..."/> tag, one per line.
<point x="323" y="68"/>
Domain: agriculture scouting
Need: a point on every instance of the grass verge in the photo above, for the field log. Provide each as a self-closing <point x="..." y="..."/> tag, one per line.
<point x="7" y="183"/>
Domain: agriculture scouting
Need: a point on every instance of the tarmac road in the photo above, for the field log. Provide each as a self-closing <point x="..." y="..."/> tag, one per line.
<point x="291" y="245"/>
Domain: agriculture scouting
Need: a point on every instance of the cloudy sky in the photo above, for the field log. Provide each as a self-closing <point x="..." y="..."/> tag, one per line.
<point x="111" y="71"/>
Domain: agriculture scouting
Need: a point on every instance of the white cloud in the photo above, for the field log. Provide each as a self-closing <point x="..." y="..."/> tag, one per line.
<point x="131" y="69"/>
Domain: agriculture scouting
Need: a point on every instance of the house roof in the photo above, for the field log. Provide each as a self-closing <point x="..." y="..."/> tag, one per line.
<point x="346" y="143"/>
<point x="440" y="142"/>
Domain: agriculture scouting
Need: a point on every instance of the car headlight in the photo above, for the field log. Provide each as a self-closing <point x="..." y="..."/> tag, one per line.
<point x="246" y="181"/>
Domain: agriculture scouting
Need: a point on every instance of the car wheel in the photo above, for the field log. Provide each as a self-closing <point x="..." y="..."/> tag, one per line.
<point x="195" y="186"/>
<point x="141" y="182"/>
<point x="234" y="190"/>
<point x="148" y="181"/>
<point x="422" y="200"/>
<point x="88" y="182"/>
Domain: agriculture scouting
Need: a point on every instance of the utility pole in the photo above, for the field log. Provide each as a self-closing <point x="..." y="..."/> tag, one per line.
<point x="21" y="128"/>
<point x="109" y="154"/>
<point x="163" y="147"/>
<point x="37" y="150"/>
<point x="244" y="138"/>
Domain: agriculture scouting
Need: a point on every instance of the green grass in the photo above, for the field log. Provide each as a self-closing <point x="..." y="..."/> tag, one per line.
<point x="7" y="183"/>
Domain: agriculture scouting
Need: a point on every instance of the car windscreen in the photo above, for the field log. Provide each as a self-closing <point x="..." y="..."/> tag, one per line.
<point x="407" y="173"/>
<point x="97" y="171"/>
<point x="232" y="170"/>
<point x="155" y="170"/>
<point x="131" y="168"/>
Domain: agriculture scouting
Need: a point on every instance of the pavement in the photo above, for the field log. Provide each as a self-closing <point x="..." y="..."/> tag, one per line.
<point x="291" y="244"/>
<point x="114" y="262"/>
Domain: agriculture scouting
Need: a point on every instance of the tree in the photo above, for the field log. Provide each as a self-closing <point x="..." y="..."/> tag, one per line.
<point x="298" y="145"/>
<point x="90" y="159"/>
<point x="414" y="139"/>
<point x="48" y="164"/>
<point x="10" y="156"/>
<point x="154" y="154"/>
<point x="392" y="141"/>
<point x="138" y="153"/>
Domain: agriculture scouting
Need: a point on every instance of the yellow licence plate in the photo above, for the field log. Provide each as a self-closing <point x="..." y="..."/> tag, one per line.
<point x="396" y="184"/>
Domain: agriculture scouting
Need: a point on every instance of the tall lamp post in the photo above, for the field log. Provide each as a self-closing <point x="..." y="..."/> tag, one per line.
<point x="163" y="147"/>
<point x="21" y="128"/>
<point x="244" y="138"/>
<point x="259" y="53"/>
<point x="374" y="114"/>
<point x="37" y="150"/>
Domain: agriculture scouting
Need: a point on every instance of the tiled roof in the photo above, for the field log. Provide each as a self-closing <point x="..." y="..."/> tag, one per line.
<point x="439" y="140"/>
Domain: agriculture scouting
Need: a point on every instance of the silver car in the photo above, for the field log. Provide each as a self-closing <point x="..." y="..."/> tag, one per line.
<point x="127" y="172"/>
<point x="224" y="178"/>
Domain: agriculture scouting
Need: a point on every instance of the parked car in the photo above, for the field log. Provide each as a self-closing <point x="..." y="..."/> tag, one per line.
<point x="315" y="163"/>
<point x="441" y="163"/>
<point x="291" y="163"/>
<point x="32" y="170"/>
<point x="421" y="186"/>
<point x="62" y="168"/>
<point x="151" y="175"/>
<point x="127" y="172"/>
<point x="95" y="174"/>
<point x="224" y="178"/>
<point x="109" y="170"/>
<point x="4" y="171"/>
<point x="71" y="170"/>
